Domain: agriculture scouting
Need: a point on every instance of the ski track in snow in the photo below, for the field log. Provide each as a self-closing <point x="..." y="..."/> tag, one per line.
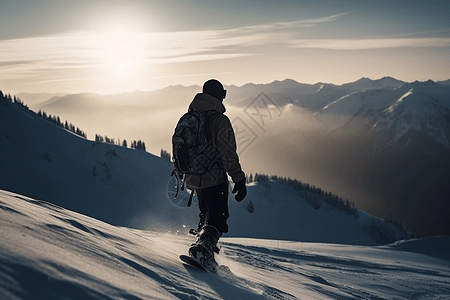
<point x="48" y="252"/>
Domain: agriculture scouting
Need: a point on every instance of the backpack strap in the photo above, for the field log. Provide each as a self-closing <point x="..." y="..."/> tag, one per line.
<point x="177" y="177"/>
<point x="182" y="178"/>
<point x="190" y="198"/>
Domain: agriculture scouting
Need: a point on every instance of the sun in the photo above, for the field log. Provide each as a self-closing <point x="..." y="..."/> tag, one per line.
<point x="122" y="54"/>
<point x="122" y="61"/>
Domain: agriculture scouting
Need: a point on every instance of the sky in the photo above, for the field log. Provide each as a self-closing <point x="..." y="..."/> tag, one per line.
<point x="116" y="46"/>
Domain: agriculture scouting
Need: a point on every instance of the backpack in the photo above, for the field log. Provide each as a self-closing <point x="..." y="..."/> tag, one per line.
<point x="192" y="152"/>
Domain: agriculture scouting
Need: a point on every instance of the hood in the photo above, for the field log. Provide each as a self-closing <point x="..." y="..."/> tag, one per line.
<point x="205" y="102"/>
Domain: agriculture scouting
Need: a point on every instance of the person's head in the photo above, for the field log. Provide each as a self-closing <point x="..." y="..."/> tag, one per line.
<point x="214" y="88"/>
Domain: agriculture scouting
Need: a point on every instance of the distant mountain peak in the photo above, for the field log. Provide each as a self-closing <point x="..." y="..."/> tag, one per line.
<point x="368" y="84"/>
<point x="419" y="112"/>
<point x="287" y="80"/>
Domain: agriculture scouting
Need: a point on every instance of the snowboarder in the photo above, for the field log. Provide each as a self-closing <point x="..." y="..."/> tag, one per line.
<point x="212" y="188"/>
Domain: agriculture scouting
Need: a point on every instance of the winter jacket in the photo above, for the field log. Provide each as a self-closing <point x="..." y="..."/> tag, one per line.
<point x="221" y="134"/>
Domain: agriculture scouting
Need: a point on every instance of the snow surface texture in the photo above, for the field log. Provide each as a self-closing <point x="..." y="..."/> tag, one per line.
<point x="47" y="252"/>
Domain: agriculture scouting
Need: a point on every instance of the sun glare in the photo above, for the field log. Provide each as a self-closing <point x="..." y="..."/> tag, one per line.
<point x="123" y="54"/>
<point x="122" y="61"/>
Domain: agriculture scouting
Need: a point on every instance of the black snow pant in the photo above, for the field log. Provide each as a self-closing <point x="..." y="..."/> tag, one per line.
<point x="213" y="204"/>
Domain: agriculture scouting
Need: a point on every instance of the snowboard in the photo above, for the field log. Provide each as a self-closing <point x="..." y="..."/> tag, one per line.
<point x="221" y="270"/>
<point x="192" y="262"/>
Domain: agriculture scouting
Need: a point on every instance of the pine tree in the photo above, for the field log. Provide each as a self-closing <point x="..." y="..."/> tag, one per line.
<point x="250" y="178"/>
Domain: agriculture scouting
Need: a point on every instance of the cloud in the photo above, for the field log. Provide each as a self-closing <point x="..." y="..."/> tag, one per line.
<point x="85" y="49"/>
<point x="291" y="24"/>
<point x="80" y="55"/>
<point x="199" y="57"/>
<point x="70" y="80"/>
<point x="366" y="44"/>
<point x="16" y="63"/>
<point x="88" y="49"/>
<point x="312" y="22"/>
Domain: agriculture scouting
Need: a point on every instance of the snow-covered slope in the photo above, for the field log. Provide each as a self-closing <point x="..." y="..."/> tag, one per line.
<point x="415" y="111"/>
<point x="45" y="161"/>
<point x="420" y="106"/>
<point x="358" y="105"/>
<point x="48" y="252"/>
<point x="130" y="187"/>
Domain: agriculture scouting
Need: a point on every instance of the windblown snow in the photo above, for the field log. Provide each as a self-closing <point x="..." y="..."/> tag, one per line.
<point x="48" y="252"/>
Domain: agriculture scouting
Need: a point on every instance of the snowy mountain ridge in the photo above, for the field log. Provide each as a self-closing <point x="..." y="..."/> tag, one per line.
<point x="415" y="111"/>
<point x="367" y="101"/>
<point x="365" y="83"/>
<point x="361" y="102"/>
<point x="420" y="107"/>
<point x="310" y="96"/>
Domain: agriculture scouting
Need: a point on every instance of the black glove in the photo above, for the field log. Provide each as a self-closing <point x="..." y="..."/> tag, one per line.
<point x="241" y="190"/>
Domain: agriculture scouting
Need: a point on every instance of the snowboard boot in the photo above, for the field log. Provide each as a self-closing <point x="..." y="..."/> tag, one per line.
<point x="203" y="249"/>
<point x="197" y="231"/>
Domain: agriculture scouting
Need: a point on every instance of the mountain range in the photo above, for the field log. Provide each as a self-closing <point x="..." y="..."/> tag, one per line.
<point x="383" y="144"/>
<point x="424" y="105"/>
